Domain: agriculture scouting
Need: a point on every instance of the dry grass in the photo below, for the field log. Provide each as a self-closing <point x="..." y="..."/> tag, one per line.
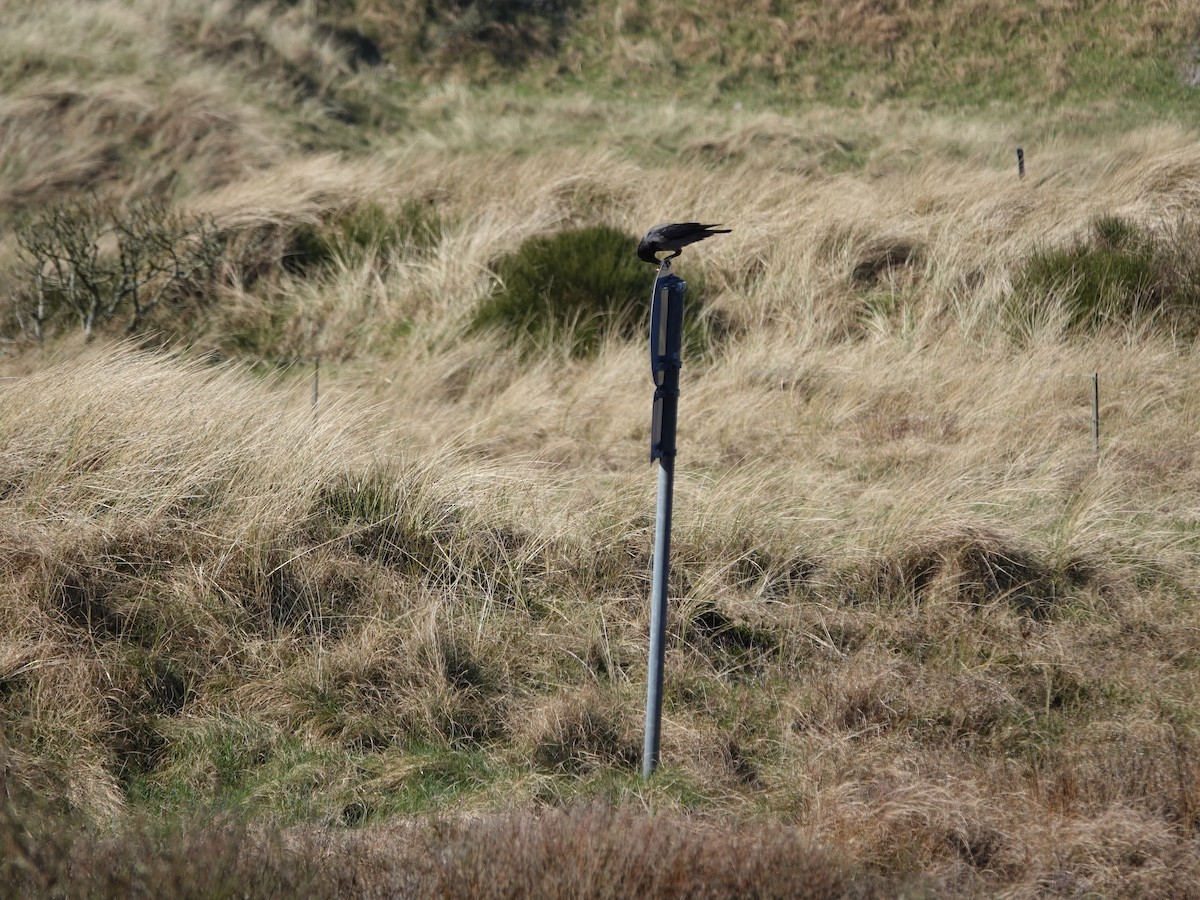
<point x="618" y="853"/>
<point x="915" y="617"/>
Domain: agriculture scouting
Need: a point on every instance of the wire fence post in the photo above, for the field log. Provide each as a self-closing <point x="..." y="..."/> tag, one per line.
<point x="316" y="384"/>
<point x="1096" y="412"/>
<point x="666" y="330"/>
<point x="1020" y="162"/>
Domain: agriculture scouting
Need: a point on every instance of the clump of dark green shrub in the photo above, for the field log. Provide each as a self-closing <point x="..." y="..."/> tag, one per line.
<point x="1120" y="272"/>
<point x="509" y="31"/>
<point x="370" y="229"/>
<point x="99" y="261"/>
<point x="584" y="284"/>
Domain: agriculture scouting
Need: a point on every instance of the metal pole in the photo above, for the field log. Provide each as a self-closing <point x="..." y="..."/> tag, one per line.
<point x="316" y="384"/>
<point x="1096" y="411"/>
<point x="666" y="338"/>
<point x="658" y="616"/>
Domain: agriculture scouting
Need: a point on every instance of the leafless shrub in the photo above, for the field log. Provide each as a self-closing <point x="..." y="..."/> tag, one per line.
<point x="98" y="262"/>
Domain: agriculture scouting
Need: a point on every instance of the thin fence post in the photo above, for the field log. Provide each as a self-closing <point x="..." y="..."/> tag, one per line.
<point x="316" y="384"/>
<point x="1096" y="411"/>
<point x="1020" y="162"/>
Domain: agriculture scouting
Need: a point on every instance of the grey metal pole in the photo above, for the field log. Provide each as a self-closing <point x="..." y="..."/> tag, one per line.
<point x="658" y="616"/>
<point x="316" y="384"/>
<point x="666" y="339"/>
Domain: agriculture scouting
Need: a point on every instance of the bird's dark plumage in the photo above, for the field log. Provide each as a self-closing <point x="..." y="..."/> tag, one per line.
<point x="674" y="237"/>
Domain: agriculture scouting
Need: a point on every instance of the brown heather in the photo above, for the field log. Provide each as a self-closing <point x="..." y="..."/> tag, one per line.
<point x="924" y="640"/>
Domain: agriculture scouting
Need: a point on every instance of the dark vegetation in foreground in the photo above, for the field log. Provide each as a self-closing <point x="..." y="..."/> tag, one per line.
<point x="587" y="851"/>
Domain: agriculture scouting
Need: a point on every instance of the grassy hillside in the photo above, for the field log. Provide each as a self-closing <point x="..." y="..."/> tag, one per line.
<point x="347" y="630"/>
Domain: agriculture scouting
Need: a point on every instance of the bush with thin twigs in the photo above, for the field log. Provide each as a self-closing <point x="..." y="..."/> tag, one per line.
<point x="98" y="262"/>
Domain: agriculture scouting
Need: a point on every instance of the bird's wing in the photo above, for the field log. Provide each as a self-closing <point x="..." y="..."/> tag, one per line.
<point x="677" y="230"/>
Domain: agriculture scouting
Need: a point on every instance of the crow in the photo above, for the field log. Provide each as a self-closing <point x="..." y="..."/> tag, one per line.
<point x="674" y="237"/>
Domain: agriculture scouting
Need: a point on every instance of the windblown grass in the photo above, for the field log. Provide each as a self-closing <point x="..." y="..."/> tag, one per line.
<point x="922" y="633"/>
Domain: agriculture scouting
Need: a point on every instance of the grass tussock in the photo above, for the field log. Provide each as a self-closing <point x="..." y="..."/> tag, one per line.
<point x="1121" y="274"/>
<point x="584" y="284"/>
<point x="581" y="287"/>
<point x="975" y="567"/>
<point x="371" y="231"/>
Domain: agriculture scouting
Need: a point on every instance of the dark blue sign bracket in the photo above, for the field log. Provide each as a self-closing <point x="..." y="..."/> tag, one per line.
<point x="666" y="340"/>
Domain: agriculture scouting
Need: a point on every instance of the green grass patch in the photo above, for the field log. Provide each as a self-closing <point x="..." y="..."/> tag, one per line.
<point x="370" y="230"/>
<point x="421" y="782"/>
<point x="219" y="761"/>
<point x="243" y="768"/>
<point x="1119" y="273"/>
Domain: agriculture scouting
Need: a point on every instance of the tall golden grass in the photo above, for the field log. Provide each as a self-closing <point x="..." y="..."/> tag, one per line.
<point x="916" y="617"/>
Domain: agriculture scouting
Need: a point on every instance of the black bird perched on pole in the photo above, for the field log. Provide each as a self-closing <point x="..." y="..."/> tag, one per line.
<point x="674" y="237"/>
